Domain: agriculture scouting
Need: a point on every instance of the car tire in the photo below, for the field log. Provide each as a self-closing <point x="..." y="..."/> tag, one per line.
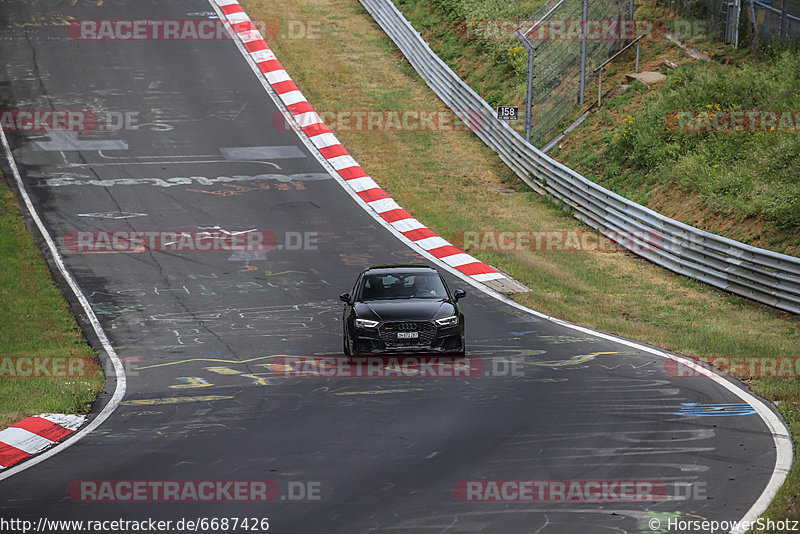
<point x="345" y="344"/>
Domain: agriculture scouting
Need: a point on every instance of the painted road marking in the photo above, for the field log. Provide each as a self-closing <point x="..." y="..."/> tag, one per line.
<point x="222" y="370"/>
<point x="378" y="391"/>
<point x="191" y="382"/>
<point x="258" y="380"/>
<point x="715" y="410"/>
<point x="248" y="153"/>
<point x="575" y="360"/>
<point x="175" y="400"/>
<point x="220" y="360"/>
<point x="112" y="215"/>
<point x="64" y="141"/>
<point x="67" y="179"/>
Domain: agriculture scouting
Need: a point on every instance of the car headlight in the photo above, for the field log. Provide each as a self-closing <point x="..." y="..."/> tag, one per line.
<point x="447" y="321"/>
<point x="366" y="323"/>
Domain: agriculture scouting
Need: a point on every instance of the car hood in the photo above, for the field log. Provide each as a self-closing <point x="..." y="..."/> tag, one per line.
<point x="404" y="309"/>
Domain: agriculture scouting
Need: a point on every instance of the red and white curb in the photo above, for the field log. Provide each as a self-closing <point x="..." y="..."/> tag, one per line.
<point x="332" y="150"/>
<point x="35" y="434"/>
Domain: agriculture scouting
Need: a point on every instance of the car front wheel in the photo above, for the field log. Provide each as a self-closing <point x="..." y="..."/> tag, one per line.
<point x="346" y="344"/>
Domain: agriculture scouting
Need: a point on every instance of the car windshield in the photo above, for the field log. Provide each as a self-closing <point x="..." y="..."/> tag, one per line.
<point x="402" y="286"/>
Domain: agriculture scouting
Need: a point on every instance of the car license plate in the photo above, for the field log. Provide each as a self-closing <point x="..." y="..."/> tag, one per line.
<point x="407" y="335"/>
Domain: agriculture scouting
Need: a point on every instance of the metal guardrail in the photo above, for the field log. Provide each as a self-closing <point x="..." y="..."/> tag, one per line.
<point x="762" y="275"/>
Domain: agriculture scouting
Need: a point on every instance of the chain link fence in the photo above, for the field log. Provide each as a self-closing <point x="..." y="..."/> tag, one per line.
<point x="775" y="20"/>
<point x="557" y="60"/>
<point x="752" y="22"/>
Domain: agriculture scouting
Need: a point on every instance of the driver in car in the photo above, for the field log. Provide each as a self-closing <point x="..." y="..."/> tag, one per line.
<point x="421" y="287"/>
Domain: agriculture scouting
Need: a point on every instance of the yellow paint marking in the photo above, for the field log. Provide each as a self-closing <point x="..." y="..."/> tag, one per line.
<point x="572" y="361"/>
<point x="218" y="360"/>
<point x="270" y="273"/>
<point x="248" y="267"/>
<point x="260" y="380"/>
<point x="175" y="400"/>
<point x="277" y="367"/>
<point x="191" y="382"/>
<point x="378" y="391"/>
<point x="547" y="380"/>
<point x="222" y="370"/>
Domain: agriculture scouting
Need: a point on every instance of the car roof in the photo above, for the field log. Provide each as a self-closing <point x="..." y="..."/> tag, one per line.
<point x="385" y="269"/>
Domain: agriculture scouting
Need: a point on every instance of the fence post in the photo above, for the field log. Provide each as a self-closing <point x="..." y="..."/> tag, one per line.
<point x="784" y="20"/>
<point x="584" y="16"/>
<point x="529" y="94"/>
<point x="755" y="24"/>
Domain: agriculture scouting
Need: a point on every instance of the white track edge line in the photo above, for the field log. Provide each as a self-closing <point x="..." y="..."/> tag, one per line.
<point x="119" y="371"/>
<point x="783" y="443"/>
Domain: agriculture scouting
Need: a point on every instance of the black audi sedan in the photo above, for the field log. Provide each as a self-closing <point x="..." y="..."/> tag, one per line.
<point x="402" y="309"/>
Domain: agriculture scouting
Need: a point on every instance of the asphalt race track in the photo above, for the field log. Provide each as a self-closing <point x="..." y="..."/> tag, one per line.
<point x="199" y="332"/>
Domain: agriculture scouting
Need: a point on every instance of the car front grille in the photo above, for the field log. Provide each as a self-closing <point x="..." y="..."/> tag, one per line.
<point x="426" y="330"/>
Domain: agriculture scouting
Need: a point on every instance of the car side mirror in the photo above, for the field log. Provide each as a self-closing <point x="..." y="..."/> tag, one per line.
<point x="459" y="294"/>
<point x="344" y="297"/>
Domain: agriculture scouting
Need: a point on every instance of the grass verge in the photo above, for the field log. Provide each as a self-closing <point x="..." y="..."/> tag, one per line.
<point x="39" y="335"/>
<point x="453" y="183"/>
